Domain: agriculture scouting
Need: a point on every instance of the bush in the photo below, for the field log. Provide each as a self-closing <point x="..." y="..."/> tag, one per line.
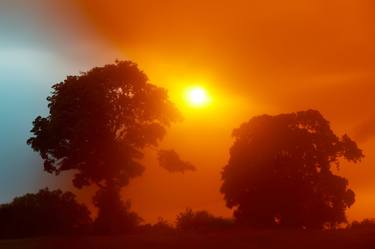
<point x="364" y="224"/>
<point x="162" y="226"/>
<point x="44" y="213"/>
<point x="201" y="221"/>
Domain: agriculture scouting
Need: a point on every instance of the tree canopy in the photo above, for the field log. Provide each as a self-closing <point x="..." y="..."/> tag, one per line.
<point x="280" y="172"/>
<point x="99" y="122"/>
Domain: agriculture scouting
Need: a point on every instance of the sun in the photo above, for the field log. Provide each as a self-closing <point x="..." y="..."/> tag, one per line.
<point x="197" y="96"/>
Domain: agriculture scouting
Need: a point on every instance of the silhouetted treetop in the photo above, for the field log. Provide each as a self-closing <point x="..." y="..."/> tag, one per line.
<point x="171" y="161"/>
<point x="279" y="172"/>
<point x="99" y="122"/>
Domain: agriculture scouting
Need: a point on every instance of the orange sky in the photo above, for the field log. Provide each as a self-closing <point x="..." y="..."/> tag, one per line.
<point x="254" y="57"/>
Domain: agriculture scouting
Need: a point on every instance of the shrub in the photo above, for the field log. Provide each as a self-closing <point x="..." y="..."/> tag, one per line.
<point x="44" y="213"/>
<point x="162" y="226"/>
<point x="201" y="221"/>
<point x="364" y="224"/>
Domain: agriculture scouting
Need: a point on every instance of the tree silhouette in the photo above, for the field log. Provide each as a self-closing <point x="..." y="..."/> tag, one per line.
<point x="44" y="213"/>
<point x="98" y="124"/>
<point x="279" y="172"/>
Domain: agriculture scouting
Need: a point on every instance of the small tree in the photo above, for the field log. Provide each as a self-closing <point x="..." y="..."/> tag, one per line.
<point x="279" y="172"/>
<point x="98" y="124"/>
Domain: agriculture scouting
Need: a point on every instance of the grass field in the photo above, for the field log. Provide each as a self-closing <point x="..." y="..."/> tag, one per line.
<point x="356" y="239"/>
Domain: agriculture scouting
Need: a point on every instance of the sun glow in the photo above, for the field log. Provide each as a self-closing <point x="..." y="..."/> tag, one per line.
<point x="197" y="96"/>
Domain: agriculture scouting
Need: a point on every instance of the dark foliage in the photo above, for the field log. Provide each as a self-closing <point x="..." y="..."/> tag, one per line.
<point x="161" y="227"/>
<point x="44" y="213"/>
<point x="114" y="216"/>
<point x="364" y="224"/>
<point x="98" y="124"/>
<point x="279" y="172"/>
<point x="171" y="161"/>
<point x="201" y="221"/>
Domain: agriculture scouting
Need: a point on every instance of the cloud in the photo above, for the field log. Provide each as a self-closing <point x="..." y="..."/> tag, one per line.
<point x="170" y="160"/>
